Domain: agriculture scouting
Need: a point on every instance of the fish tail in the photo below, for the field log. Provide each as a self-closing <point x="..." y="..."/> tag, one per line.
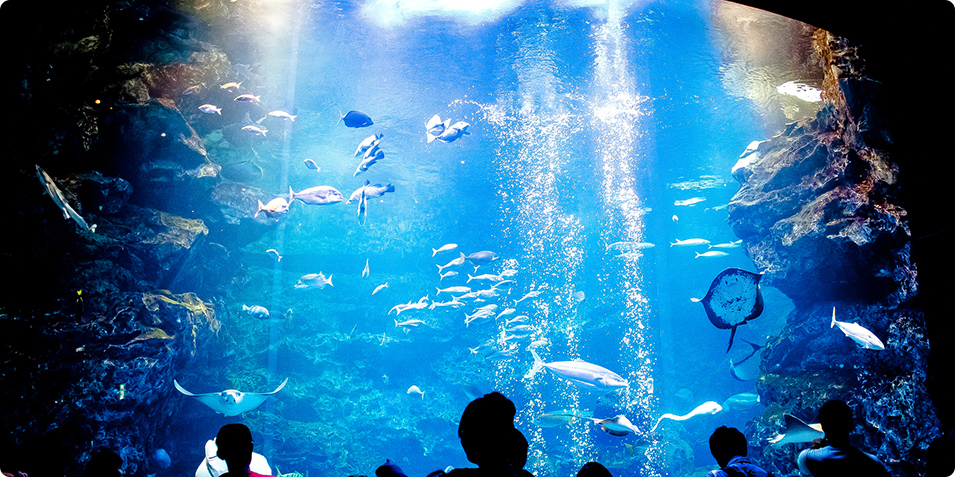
<point x="261" y="208"/>
<point x="732" y="335"/>
<point x="396" y="322"/>
<point x="697" y="255"/>
<point x="390" y="187"/>
<point x="434" y="252"/>
<point x="291" y="194"/>
<point x="330" y="280"/>
<point x="538" y="364"/>
<point x="439" y="291"/>
<point x="341" y="118"/>
<point x="469" y="278"/>
<point x="833" y="324"/>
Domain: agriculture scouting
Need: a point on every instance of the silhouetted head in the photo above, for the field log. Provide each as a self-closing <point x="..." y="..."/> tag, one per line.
<point x="593" y="469"/>
<point x="836" y="419"/>
<point x="488" y="435"/>
<point x="234" y="442"/>
<point x="726" y="443"/>
<point x="103" y="463"/>
<point x="389" y="469"/>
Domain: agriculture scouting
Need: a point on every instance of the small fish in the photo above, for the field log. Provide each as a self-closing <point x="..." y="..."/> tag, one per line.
<point x="278" y="258"/>
<point x="192" y="90"/>
<point x="711" y="253"/>
<point x="487" y="276"/>
<point x="257" y="311"/>
<point x="416" y="390"/>
<point x="255" y="130"/>
<point x="210" y="109"/>
<point x="728" y="245"/>
<point x="435" y="127"/>
<point x="457" y="289"/>
<point x="59" y="199"/>
<point x="455" y="262"/>
<point x="505" y="312"/>
<point x="530" y="294"/>
<point x="312" y="165"/>
<point x="318" y="195"/>
<point x="368" y="143"/>
<point x="444" y="248"/>
<point x="247" y="98"/>
<point x="675" y="219"/>
<point x="453" y="303"/>
<point x="355" y="119"/>
<point x="364" y="273"/>
<point x="454" y="131"/>
<point x="314" y="280"/>
<point x="630" y="246"/>
<point x="508" y="273"/>
<point x="412" y="323"/>
<point x="230" y="86"/>
<point x="282" y="115"/>
<point x="689" y="242"/>
<point x="276" y="207"/>
<point x="452" y="273"/>
<point x="862" y="336"/>
<point x="689" y="202"/>
<point x="380" y="288"/>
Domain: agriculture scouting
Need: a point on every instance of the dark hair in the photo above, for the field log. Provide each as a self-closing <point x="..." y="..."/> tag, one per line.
<point x="234" y="441"/>
<point x="836" y="418"/>
<point x="593" y="469"/>
<point x="488" y="435"/>
<point x="726" y="443"/>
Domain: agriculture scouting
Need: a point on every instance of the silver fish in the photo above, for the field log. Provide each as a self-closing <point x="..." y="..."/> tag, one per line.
<point x="455" y="262"/>
<point x="689" y="202"/>
<point x="369" y="161"/>
<point x="276" y="207"/>
<point x="256" y="311"/>
<point x="314" y="280"/>
<point x="454" y="132"/>
<point x="380" y="287"/>
<point x="444" y="248"/>
<point x="318" y="195"/>
<point x="68" y="212"/>
<point x="580" y="373"/>
<point x="711" y="253"/>
<point x="370" y="191"/>
<point x="862" y="336"/>
<point x="364" y="272"/>
<point x="210" y="109"/>
<point x="435" y="127"/>
<point x="456" y="289"/>
<point x="689" y="242"/>
<point x="368" y="143"/>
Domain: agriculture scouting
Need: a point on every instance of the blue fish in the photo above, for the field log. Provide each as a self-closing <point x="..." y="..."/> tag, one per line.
<point x="356" y="119"/>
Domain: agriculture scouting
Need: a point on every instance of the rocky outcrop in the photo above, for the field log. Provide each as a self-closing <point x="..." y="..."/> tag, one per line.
<point x="819" y="212"/>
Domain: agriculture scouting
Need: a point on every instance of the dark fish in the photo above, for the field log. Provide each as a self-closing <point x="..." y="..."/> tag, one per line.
<point x="482" y="258"/>
<point x="362" y="212"/>
<point x="312" y="165"/>
<point x="733" y="299"/>
<point x="356" y="119"/>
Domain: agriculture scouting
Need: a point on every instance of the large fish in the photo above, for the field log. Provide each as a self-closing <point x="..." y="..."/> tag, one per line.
<point x="858" y="333"/>
<point x="435" y="127"/>
<point x="453" y="132"/>
<point x="618" y="425"/>
<point x="314" y="280"/>
<point x="733" y="299"/>
<point x="371" y="191"/>
<point x="231" y="402"/>
<point x="483" y="257"/>
<point x="276" y="207"/>
<point x="455" y="262"/>
<point x="356" y="119"/>
<point x="368" y="143"/>
<point x="318" y="195"/>
<point x="54" y="192"/>
<point x="581" y="373"/>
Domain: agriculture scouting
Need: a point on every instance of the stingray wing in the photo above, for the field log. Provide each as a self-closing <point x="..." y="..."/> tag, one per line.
<point x="251" y="401"/>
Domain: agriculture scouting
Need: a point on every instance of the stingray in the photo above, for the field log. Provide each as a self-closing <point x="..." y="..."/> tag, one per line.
<point x="797" y="431"/>
<point x="231" y="402"/>
<point x="733" y="299"/>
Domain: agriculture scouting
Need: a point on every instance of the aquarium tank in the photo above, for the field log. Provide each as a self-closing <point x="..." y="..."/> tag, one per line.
<point x="340" y="222"/>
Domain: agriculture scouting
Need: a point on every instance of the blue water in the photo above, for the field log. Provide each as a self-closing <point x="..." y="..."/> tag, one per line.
<point x="588" y="123"/>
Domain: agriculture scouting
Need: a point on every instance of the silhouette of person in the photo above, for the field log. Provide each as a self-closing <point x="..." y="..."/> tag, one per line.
<point x="234" y="442"/>
<point x="839" y="457"/>
<point x="490" y="440"/>
<point x="728" y="446"/>
<point x="593" y="469"/>
<point x="103" y="463"/>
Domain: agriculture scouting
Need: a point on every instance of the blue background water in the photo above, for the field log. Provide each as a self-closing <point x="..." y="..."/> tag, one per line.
<point x="588" y="123"/>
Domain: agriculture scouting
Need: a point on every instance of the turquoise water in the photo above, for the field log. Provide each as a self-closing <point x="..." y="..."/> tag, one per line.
<point x="588" y="125"/>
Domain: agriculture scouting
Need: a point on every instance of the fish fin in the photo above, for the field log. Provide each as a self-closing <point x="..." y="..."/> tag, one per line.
<point x="434" y="252"/>
<point x="291" y="194"/>
<point x="538" y="364"/>
<point x="330" y="280"/>
<point x="697" y="255"/>
<point x="732" y="335"/>
<point x="341" y="118"/>
<point x="833" y="324"/>
<point x="439" y="291"/>
<point x="389" y="187"/>
<point x="431" y="138"/>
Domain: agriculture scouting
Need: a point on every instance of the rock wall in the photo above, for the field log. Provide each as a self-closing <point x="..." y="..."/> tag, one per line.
<point x="819" y="212"/>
